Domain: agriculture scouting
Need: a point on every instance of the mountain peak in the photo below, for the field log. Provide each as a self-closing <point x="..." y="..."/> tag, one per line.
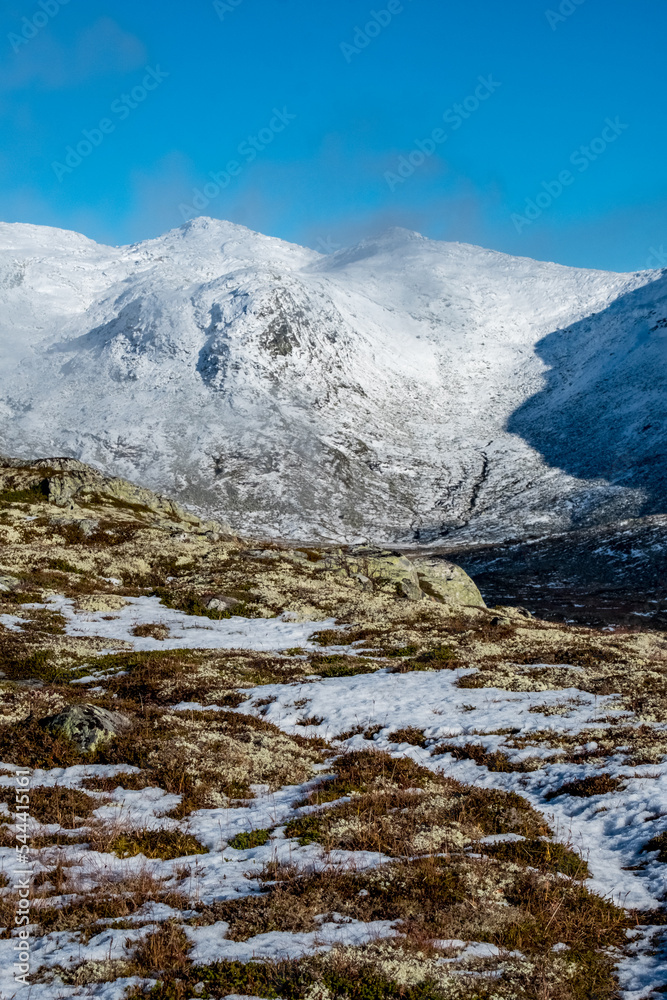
<point x="400" y="389"/>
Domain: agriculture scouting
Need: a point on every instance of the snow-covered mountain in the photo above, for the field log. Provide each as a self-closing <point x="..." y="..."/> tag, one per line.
<point x="402" y="389"/>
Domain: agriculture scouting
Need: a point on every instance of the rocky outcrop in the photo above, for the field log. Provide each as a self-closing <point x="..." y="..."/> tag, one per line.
<point x="446" y="582"/>
<point x="382" y="567"/>
<point x="69" y="484"/>
<point x="87" y="725"/>
<point x="417" y="577"/>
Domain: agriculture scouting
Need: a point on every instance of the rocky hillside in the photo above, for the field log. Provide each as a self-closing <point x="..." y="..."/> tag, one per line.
<point x="402" y="390"/>
<point x="130" y="533"/>
<point x="310" y="772"/>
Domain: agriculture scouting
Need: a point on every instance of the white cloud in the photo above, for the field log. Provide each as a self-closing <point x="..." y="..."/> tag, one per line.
<point x="99" y="49"/>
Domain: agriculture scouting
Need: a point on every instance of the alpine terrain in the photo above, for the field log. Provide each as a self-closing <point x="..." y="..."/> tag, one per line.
<point x="402" y="391"/>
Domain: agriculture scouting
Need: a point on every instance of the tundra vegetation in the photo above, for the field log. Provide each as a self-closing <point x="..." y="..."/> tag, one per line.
<point x="365" y="834"/>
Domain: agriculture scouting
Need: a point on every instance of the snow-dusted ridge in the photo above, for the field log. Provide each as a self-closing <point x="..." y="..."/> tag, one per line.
<point x="400" y="389"/>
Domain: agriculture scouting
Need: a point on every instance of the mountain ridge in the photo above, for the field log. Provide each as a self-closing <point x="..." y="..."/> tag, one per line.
<point x="401" y="390"/>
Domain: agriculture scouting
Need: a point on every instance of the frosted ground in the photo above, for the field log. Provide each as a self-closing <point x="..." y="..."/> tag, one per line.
<point x="606" y="829"/>
<point x="184" y="631"/>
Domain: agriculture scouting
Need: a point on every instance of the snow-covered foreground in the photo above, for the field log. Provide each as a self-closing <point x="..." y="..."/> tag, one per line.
<point x="608" y="830"/>
<point x="181" y="630"/>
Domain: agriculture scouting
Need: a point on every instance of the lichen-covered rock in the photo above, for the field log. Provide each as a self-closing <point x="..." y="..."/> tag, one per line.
<point x="221" y="603"/>
<point x="383" y="566"/>
<point x="73" y="485"/>
<point x="446" y="581"/>
<point x="414" y="577"/>
<point x="64" y="485"/>
<point x="87" y="525"/>
<point x="87" y="725"/>
<point x="411" y="591"/>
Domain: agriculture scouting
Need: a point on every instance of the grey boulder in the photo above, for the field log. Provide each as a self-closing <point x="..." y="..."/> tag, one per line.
<point x="87" y="725"/>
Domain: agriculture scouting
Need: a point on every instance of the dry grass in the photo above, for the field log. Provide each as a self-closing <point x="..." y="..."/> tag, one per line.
<point x="409" y="734"/>
<point x="164" y="844"/>
<point x="368" y="770"/>
<point x="643" y="744"/>
<point x="163" y="951"/>
<point x="494" y="760"/>
<point x="539" y="853"/>
<point x="130" y="780"/>
<point x="68" y="807"/>
<point x="246" y="841"/>
<point x="28" y="744"/>
<point x="151" y="630"/>
<point x="391" y="971"/>
<point x="470" y="899"/>
<point x="595" y="784"/>
<point x="407" y="823"/>
<point x="401" y="809"/>
<point x="659" y="844"/>
<point x="368" y="732"/>
<point x="113" y="900"/>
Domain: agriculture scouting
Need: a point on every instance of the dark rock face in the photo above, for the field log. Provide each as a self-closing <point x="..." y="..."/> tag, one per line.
<point x="611" y="575"/>
<point x="87" y="725"/>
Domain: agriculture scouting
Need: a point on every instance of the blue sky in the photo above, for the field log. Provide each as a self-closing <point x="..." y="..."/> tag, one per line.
<point x="325" y="121"/>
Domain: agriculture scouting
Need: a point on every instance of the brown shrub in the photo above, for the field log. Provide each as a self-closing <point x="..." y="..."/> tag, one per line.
<point x="595" y="784"/>
<point x="494" y="760"/>
<point x="151" y="631"/>
<point x="165" y="950"/>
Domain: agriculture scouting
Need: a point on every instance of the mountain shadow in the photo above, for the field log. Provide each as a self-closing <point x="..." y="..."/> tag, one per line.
<point x="602" y="412"/>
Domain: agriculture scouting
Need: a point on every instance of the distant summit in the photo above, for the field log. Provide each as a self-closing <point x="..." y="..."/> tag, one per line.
<point x="399" y="390"/>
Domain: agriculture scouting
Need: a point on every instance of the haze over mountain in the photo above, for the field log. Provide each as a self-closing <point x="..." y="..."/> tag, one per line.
<point x="400" y="390"/>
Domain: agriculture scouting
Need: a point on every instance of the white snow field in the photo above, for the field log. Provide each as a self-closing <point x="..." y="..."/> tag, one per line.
<point x="404" y="388"/>
<point x="183" y="631"/>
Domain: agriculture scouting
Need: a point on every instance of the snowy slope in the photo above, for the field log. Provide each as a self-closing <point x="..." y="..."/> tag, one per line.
<point x="401" y="389"/>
